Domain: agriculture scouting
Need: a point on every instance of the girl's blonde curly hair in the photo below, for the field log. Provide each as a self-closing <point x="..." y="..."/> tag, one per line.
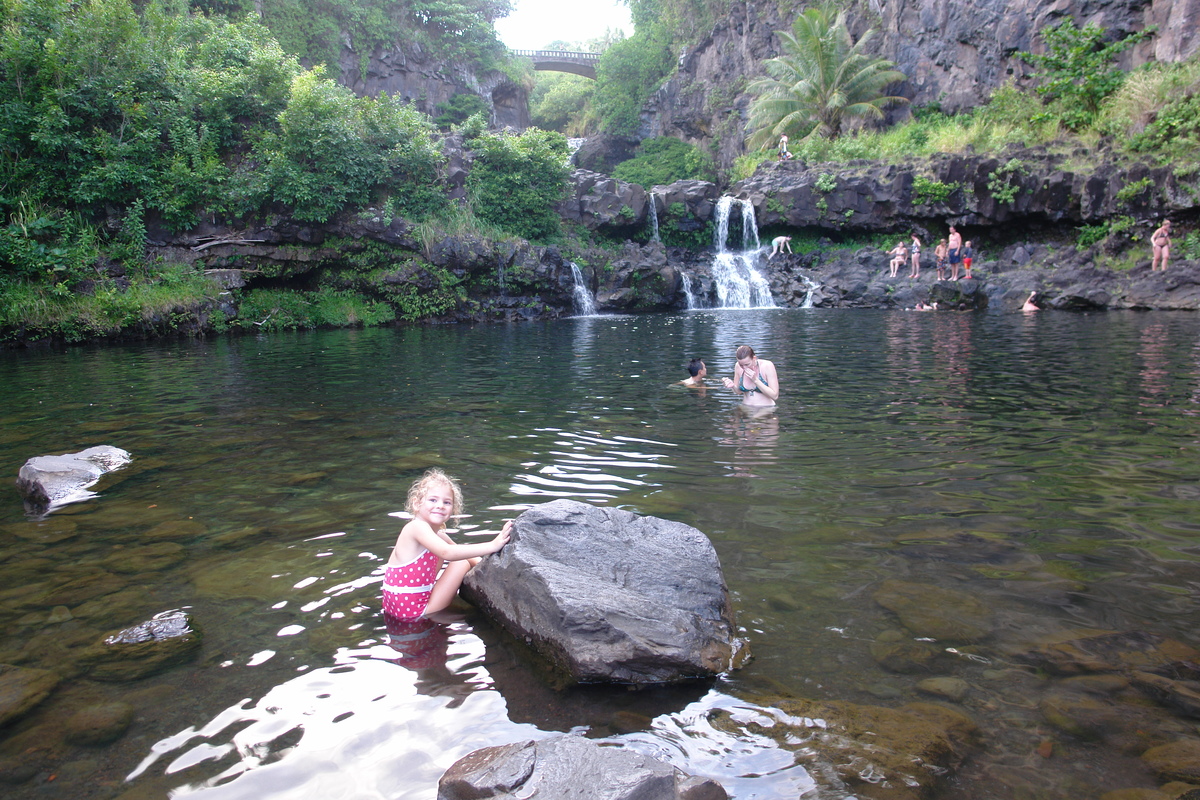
<point x="424" y="485"/>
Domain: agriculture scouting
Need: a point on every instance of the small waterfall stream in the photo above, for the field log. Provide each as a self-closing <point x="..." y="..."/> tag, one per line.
<point x="585" y="304"/>
<point x="739" y="283"/>
<point x="687" y="290"/>
<point x="654" y="221"/>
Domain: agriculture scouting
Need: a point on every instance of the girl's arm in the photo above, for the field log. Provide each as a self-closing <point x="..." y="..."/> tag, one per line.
<point x="444" y="547"/>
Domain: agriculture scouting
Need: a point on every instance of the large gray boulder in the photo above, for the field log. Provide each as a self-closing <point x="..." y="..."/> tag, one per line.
<point x="51" y="481"/>
<point x="571" y="767"/>
<point x="610" y="596"/>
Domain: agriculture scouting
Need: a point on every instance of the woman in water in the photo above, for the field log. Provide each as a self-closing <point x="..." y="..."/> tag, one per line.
<point x="754" y="378"/>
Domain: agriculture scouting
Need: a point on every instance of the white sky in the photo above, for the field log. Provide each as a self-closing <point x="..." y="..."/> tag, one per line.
<point x="535" y="23"/>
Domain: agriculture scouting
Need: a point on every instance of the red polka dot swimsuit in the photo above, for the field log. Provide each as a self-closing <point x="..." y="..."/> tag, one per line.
<point x="406" y="588"/>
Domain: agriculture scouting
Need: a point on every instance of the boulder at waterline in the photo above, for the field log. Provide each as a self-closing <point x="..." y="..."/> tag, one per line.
<point x="570" y="766"/>
<point x="21" y="689"/>
<point x="51" y="481"/>
<point x="607" y="595"/>
<point x="158" y="644"/>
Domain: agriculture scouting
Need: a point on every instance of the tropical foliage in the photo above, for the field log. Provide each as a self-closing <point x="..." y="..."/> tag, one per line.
<point x="518" y="180"/>
<point x="823" y="80"/>
<point x="1078" y="68"/>
<point x="666" y="160"/>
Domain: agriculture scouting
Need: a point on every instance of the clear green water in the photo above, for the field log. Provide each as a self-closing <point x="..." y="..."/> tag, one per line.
<point x="1011" y="457"/>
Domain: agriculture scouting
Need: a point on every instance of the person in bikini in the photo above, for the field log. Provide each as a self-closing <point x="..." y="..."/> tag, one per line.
<point x="1160" y="246"/>
<point x="754" y="378"/>
<point x="412" y="588"/>
<point x="915" y="250"/>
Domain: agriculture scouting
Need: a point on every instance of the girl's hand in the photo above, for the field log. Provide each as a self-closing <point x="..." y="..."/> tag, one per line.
<point x="502" y="537"/>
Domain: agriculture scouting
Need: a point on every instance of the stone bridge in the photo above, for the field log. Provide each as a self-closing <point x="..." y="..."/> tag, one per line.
<point x="562" y="61"/>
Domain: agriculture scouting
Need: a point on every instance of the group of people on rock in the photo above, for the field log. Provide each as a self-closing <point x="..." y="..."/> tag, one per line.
<point x="950" y="251"/>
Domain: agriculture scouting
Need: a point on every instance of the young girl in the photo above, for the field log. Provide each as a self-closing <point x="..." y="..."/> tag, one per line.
<point x="411" y="586"/>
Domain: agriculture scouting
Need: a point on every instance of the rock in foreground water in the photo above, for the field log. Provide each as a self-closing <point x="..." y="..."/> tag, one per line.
<point x="51" y="481"/>
<point x="607" y="595"/>
<point x="570" y="766"/>
<point x="21" y="689"/>
<point x="158" y="644"/>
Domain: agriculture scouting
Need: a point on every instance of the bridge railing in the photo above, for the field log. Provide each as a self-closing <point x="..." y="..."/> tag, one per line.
<point x="559" y="55"/>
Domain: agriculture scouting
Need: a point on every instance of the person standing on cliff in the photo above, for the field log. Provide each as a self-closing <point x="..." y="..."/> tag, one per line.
<point x="914" y="250"/>
<point x="954" y="245"/>
<point x="1160" y="246"/>
<point x="784" y="155"/>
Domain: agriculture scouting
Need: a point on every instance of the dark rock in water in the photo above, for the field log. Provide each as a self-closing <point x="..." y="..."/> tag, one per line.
<point x="21" y="689"/>
<point x="99" y="724"/>
<point x="570" y="766"/>
<point x="51" y="481"/>
<point x="607" y="595"/>
<point x="160" y="643"/>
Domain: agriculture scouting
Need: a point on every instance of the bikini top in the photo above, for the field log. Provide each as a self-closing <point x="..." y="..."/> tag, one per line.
<point x="754" y="388"/>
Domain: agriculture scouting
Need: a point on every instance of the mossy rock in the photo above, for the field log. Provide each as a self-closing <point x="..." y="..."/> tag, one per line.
<point x="166" y="640"/>
<point x="928" y="610"/>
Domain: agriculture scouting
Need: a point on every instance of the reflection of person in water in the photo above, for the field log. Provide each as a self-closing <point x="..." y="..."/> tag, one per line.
<point x="754" y="433"/>
<point x="754" y="378"/>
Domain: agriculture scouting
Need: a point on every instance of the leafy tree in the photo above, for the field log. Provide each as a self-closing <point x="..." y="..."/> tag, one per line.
<point x="628" y="73"/>
<point x="561" y="102"/>
<point x="823" y="79"/>
<point x="666" y="160"/>
<point x="516" y="181"/>
<point x="1079" y="69"/>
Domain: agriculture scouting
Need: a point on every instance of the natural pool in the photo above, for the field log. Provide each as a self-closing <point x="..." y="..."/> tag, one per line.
<point x="1045" y="464"/>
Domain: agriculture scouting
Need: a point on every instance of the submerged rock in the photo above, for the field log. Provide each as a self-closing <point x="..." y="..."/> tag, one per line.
<point x="607" y="595"/>
<point x="21" y="689"/>
<point x="570" y="766"/>
<point x="1107" y="651"/>
<point x="99" y="724"/>
<point x="927" y="610"/>
<point x="48" y="482"/>
<point x="158" y="644"/>
<point x="1179" y="760"/>
<point x="868" y="751"/>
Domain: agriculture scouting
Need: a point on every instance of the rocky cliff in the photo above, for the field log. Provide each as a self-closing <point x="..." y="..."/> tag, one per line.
<point x="954" y="54"/>
<point x="407" y="70"/>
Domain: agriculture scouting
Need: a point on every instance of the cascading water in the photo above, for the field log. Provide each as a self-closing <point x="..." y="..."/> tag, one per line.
<point x="811" y="286"/>
<point x="738" y="281"/>
<point x="585" y="304"/>
<point x="654" y="221"/>
<point x="687" y="290"/>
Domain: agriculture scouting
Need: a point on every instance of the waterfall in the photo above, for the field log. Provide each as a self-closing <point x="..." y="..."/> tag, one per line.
<point x="812" y="286"/>
<point x="585" y="305"/>
<point x="654" y="221"/>
<point x="739" y="283"/>
<point x="687" y="289"/>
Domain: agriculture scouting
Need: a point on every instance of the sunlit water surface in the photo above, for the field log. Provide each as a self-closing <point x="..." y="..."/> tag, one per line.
<point x="967" y="451"/>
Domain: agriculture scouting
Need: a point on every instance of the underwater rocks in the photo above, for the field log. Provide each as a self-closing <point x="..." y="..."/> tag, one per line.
<point x="158" y="644"/>
<point x="609" y="596"/>
<point x="21" y="689"/>
<point x="943" y="614"/>
<point x="99" y="724"/>
<point x="51" y="481"/>
<point x="868" y="751"/>
<point x="570" y="766"/>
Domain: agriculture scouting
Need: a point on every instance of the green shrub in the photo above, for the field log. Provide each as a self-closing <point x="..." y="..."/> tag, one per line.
<point x="931" y="192"/>
<point x="1133" y="190"/>
<point x="628" y="73"/>
<point x="666" y="160"/>
<point x="825" y="183"/>
<point x="1004" y="182"/>
<point x="456" y="110"/>
<point x="286" y="309"/>
<point x="517" y="181"/>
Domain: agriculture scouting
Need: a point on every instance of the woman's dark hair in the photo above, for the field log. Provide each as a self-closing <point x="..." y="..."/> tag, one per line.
<point x="694" y="366"/>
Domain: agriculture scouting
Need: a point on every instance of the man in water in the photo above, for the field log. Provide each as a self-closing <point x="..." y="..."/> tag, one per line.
<point x="1160" y="246"/>
<point x="779" y="244"/>
<point x="1029" y="304"/>
<point x="697" y="370"/>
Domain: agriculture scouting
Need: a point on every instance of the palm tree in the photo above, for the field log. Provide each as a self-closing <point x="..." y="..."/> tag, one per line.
<point x="823" y="79"/>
